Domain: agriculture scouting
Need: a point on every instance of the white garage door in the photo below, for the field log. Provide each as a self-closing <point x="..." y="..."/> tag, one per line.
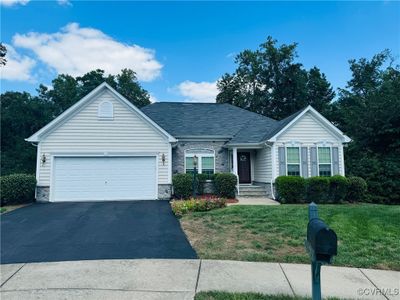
<point x="104" y="178"/>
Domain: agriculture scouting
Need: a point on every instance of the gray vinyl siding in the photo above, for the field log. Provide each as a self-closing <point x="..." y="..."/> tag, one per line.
<point x="86" y="133"/>
<point x="263" y="165"/>
<point x="308" y="132"/>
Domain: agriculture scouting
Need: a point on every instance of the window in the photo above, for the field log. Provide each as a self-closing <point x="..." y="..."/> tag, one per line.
<point x="105" y="110"/>
<point x="324" y="161"/>
<point x="293" y="161"/>
<point x="205" y="161"/>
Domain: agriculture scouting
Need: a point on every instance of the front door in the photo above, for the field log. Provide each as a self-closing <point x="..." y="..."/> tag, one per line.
<point x="244" y="167"/>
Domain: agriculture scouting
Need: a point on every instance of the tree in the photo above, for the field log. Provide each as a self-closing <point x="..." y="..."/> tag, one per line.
<point x="269" y="81"/>
<point x="21" y="115"/>
<point x="368" y="111"/>
<point x="3" y="52"/>
<point x="67" y="90"/>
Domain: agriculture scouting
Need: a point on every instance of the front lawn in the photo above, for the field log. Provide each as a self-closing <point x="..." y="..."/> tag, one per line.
<point x="368" y="234"/>
<point x="242" y="296"/>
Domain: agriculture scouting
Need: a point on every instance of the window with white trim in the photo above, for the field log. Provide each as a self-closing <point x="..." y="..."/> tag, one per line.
<point x="205" y="161"/>
<point x="293" y="161"/>
<point x="105" y="110"/>
<point x="324" y="161"/>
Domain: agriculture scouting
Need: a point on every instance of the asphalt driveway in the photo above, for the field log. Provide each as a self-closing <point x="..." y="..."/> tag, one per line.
<point x="92" y="230"/>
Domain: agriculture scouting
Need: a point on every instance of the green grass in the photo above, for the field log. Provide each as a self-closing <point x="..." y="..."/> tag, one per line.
<point x="368" y="235"/>
<point x="2" y="209"/>
<point x="242" y="296"/>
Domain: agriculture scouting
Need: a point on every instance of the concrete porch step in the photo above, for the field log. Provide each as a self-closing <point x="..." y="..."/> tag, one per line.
<point x="251" y="188"/>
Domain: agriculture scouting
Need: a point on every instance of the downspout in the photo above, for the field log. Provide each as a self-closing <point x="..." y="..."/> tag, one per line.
<point x="272" y="172"/>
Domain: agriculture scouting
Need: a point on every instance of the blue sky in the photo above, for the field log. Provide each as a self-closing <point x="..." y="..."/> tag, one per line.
<point x="179" y="49"/>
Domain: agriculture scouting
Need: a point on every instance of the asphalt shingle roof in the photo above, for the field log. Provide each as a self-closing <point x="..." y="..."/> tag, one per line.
<point x="211" y="119"/>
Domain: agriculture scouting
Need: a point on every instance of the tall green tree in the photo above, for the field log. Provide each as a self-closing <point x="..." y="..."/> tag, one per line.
<point x="269" y="81"/>
<point x="368" y="110"/>
<point x="21" y="115"/>
<point x="67" y="90"/>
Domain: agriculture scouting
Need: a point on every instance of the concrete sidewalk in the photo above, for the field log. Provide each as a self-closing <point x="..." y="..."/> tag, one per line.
<point x="181" y="279"/>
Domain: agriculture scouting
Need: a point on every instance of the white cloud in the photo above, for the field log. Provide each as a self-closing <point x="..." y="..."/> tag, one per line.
<point x="13" y="2"/>
<point x="18" y="67"/>
<point x="64" y="2"/>
<point x="75" y="50"/>
<point x="198" y="91"/>
<point x="153" y="98"/>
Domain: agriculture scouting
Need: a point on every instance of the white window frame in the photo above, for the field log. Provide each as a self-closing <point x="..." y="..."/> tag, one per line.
<point x="199" y="157"/>
<point x="287" y="170"/>
<point x="331" y="163"/>
<point x="105" y="117"/>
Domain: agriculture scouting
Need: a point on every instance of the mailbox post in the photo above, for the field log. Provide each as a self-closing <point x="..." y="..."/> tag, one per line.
<point x="321" y="244"/>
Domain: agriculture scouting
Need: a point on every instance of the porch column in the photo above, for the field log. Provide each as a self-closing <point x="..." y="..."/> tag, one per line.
<point x="235" y="168"/>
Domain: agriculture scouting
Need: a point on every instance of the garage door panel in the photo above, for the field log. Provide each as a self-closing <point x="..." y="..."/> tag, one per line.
<point x="104" y="178"/>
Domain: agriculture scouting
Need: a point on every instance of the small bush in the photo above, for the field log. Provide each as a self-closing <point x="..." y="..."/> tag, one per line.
<point x="181" y="207"/>
<point x="17" y="189"/>
<point x="201" y="179"/>
<point x="182" y="184"/>
<point x="338" y="186"/>
<point x="317" y="189"/>
<point x="357" y="189"/>
<point x="225" y="184"/>
<point x="291" y="189"/>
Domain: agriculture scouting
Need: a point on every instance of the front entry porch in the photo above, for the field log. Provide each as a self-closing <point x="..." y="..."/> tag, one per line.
<point x="250" y="167"/>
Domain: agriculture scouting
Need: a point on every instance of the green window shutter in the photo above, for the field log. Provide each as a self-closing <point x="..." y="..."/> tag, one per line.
<point x="304" y="162"/>
<point x="313" y="161"/>
<point x="335" y="160"/>
<point x="282" y="161"/>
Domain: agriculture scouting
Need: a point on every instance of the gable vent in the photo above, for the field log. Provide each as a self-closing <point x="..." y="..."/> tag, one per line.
<point x="105" y="110"/>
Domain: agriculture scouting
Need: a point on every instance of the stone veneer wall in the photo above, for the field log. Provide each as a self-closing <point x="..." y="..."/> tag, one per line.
<point x="178" y="155"/>
<point x="43" y="192"/>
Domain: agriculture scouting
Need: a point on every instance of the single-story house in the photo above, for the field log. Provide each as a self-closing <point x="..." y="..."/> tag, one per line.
<point x="105" y="148"/>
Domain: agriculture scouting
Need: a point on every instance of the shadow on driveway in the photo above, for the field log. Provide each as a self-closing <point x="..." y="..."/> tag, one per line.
<point x="92" y="230"/>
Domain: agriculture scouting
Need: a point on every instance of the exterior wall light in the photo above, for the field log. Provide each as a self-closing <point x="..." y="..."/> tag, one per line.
<point x="43" y="159"/>
<point x="195" y="158"/>
<point x="163" y="159"/>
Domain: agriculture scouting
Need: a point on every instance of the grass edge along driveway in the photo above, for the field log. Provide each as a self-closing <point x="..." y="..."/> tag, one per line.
<point x="368" y="235"/>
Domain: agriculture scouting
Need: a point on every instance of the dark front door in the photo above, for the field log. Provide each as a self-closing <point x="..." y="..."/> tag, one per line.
<point x="244" y="167"/>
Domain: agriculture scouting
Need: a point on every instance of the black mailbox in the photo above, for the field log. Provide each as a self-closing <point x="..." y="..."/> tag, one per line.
<point x="321" y="240"/>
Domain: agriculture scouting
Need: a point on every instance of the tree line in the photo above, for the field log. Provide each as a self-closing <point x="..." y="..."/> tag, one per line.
<point x="269" y="81"/>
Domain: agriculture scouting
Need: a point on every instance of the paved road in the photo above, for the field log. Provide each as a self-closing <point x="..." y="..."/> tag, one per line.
<point x="181" y="279"/>
<point x="92" y="230"/>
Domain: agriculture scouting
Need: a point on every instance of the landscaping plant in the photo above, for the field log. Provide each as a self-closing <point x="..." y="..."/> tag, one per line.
<point x="181" y="207"/>
<point x="182" y="184"/>
<point x="357" y="189"/>
<point x="291" y="189"/>
<point x="317" y="189"/>
<point x="338" y="188"/>
<point x="17" y="189"/>
<point x="225" y="184"/>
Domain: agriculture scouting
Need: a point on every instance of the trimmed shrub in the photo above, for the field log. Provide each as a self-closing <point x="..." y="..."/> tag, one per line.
<point x="225" y="184"/>
<point x="338" y="186"/>
<point x="357" y="189"/>
<point x="182" y="184"/>
<point x="317" y="189"/>
<point x="181" y="207"/>
<point x="201" y="179"/>
<point x="17" y="189"/>
<point x="291" y="189"/>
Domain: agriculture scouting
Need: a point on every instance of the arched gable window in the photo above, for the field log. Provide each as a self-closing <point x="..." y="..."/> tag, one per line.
<point x="105" y="110"/>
